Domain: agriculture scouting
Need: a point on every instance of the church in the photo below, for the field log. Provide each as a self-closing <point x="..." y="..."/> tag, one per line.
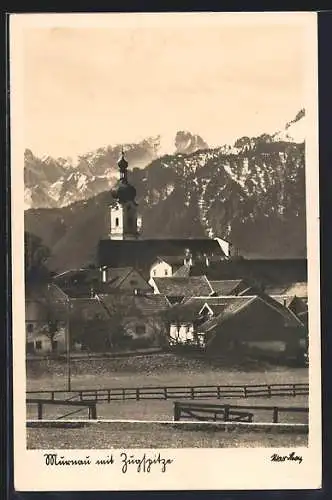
<point x="123" y="245"/>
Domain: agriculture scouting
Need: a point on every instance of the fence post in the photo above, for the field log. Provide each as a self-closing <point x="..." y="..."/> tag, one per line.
<point x="93" y="411"/>
<point x="108" y="395"/>
<point x="137" y="394"/>
<point x="226" y="413"/>
<point x="165" y="392"/>
<point x="81" y="396"/>
<point x="294" y="389"/>
<point x="123" y="394"/>
<point x="40" y="411"/>
<point x="269" y="391"/>
<point x="177" y="411"/>
<point x="218" y="392"/>
<point x="275" y="415"/>
<point x="52" y="395"/>
<point x="245" y="390"/>
<point x="192" y="392"/>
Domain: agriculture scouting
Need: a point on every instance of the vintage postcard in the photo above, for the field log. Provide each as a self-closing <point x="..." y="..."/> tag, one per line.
<point x="165" y="236"/>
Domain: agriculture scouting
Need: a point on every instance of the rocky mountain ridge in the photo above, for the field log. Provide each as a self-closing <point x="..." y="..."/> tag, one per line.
<point x="252" y="194"/>
<point x="58" y="182"/>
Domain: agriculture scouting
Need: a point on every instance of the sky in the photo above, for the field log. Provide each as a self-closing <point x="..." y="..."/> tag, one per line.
<point x="87" y="87"/>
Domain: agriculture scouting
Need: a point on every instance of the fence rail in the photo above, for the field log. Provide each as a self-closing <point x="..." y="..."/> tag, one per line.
<point x="229" y="413"/>
<point x="173" y="392"/>
<point x="91" y="406"/>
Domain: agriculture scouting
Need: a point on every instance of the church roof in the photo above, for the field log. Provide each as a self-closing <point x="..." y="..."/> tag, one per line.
<point x="264" y="271"/>
<point x="143" y="252"/>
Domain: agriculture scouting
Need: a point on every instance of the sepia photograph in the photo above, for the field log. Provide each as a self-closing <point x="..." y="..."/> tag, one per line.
<point x="165" y="247"/>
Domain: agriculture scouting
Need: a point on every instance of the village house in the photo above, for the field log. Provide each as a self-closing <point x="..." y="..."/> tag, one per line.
<point x="238" y="324"/>
<point x="139" y="319"/>
<point x="46" y="318"/>
<point x="167" y="266"/>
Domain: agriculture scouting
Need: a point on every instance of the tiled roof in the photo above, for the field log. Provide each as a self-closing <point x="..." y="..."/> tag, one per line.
<point x="183" y="287"/>
<point x="234" y="305"/>
<point x="182" y="272"/>
<point x="147" y="304"/>
<point x="224" y="287"/>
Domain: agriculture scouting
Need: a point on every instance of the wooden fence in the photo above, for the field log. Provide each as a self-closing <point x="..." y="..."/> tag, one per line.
<point x="91" y="406"/>
<point x="229" y="413"/>
<point x="174" y="392"/>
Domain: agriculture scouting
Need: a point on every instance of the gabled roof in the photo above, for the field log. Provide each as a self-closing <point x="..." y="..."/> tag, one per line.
<point x="224" y="287"/>
<point x="237" y="305"/>
<point x="183" y="287"/>
<point x="194" y="305"/>
<point x="233" y="307"/>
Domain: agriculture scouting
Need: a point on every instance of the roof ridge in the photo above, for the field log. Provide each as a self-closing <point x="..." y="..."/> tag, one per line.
<point x="280" y="306"/>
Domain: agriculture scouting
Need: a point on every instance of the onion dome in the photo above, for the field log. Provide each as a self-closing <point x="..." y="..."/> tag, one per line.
<point x="123" y="192"/>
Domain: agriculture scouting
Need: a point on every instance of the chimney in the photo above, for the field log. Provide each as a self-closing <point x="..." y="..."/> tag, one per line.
<point x="188" y="260"/>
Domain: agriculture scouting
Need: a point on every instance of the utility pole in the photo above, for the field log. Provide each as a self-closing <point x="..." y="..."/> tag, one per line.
<point x="68" y="345"/>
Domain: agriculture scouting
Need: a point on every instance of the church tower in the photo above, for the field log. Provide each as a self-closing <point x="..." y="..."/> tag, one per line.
<point x="122" y="219"/>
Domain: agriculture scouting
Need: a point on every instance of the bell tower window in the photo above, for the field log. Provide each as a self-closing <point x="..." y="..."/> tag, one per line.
<point x="117" y="221"/>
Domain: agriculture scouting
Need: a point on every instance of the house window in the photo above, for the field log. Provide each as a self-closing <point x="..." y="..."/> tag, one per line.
<point x="166" y="272"/>
<point x="38" y="345"/>
<point x="30" y="327"/>
<point x="154" y="272"/>
<point x="140" y="329"/>
<point x="116" y="221"/>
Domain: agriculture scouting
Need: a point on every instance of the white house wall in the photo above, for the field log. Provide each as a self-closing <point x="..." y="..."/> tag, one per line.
<point x="181" y="334"/>
<point x="161" y="270"/>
